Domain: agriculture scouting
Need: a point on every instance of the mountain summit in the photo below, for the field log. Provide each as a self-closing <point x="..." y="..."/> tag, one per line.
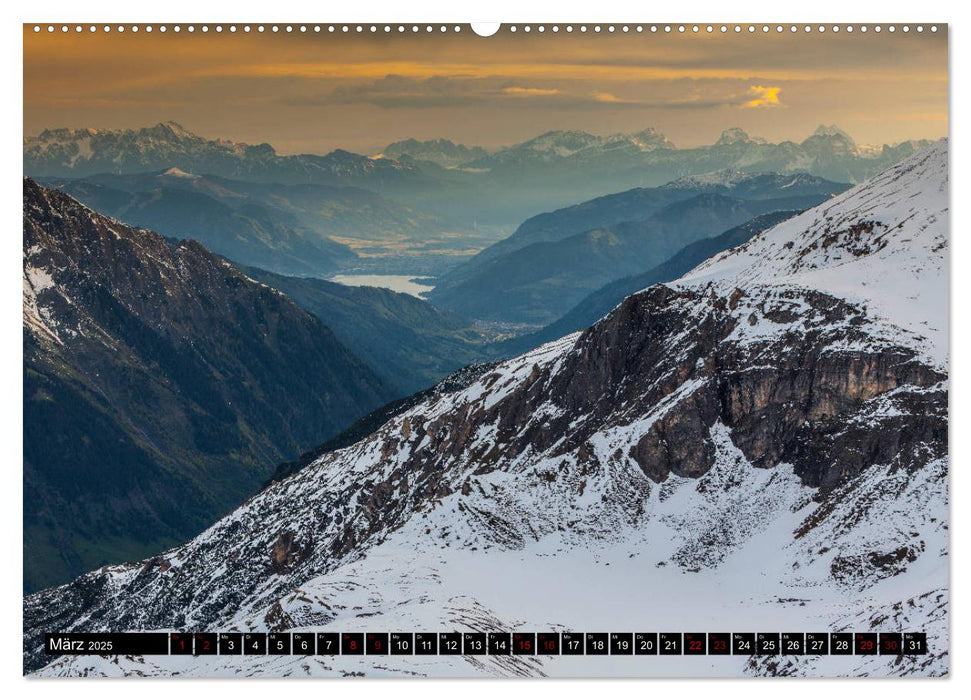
<point x="735" y="135"/>
<point x="440" y="151"/>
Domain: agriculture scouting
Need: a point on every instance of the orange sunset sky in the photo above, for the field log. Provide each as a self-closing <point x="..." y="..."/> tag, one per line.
<point x="316" y="92"/>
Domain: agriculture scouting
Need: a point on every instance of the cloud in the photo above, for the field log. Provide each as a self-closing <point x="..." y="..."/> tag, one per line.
<point x="400" y="91"/>
<point x="530" y="92"/>
<point x="443" y="91"/>
<point x="763" y="97"/>
<point x="395" y="91"/>
<point x="403" y="91"/>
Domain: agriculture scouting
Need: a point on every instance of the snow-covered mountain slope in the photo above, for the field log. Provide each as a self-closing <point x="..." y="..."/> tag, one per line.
<point x="882" y="244"/>
<point x="711" y="455"/>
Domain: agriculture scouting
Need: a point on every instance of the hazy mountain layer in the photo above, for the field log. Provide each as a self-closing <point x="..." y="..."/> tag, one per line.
<point x="78" y="152"/>
<point x="542" y="280"/>
<point x="235" y="226"/>
<point x="602" y="301"/>
<point x="497" y="189"/>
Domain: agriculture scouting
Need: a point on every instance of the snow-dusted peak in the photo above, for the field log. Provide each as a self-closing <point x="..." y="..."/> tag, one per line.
<point x="831" y="130"/>
<point x="179" y="173"/>
<point x="727" y="178"/>
<point x="177" y="129"/>
<point x="882" y="243"/>
<point x="736" y="135"/>
<point x="832" y="141"/>
<point x="647" y="140"/>
<point x="560" y="142"/>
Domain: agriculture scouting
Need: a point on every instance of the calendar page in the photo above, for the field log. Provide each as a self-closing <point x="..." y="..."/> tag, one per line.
<point x="520" y="350"/>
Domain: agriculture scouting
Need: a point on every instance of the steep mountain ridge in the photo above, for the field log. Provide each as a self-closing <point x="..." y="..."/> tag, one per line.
<point x="883" y="245"/>
<point x="738" y="447"/>
<point x="160" y="384"/>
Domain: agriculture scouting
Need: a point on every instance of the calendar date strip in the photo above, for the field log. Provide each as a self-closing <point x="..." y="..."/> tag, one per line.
<point x="487" y="643"/>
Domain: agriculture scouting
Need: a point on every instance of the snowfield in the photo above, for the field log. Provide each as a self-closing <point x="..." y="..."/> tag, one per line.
<point x="883" y="244"/>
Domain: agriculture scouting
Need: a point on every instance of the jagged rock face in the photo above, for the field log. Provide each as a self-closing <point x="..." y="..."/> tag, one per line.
<point x="780" y="397"/>
<point x="159" y="386"/>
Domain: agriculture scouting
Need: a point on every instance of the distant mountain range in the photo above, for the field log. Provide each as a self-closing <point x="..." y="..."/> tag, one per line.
<point x="552" y="261"/>
<point x="466" y="186"/>
<point x="439" y="151"/>
<point x="829" y="152"/>
<point x="79" y="152"/>
<point x="160" y="385"/>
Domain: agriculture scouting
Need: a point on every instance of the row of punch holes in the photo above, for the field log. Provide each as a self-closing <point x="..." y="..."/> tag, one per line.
<point x="512" y="29"/>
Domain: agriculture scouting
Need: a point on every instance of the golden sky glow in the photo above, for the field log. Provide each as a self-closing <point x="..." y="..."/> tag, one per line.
<point x="317" y="92"/>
